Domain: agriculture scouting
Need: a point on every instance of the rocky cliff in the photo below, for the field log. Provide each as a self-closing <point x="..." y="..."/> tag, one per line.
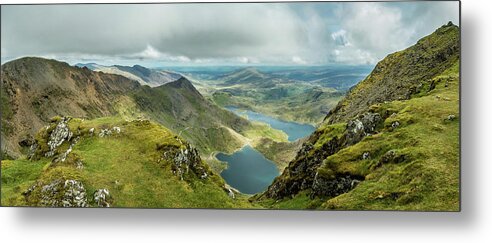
<point x="391" y="143"/>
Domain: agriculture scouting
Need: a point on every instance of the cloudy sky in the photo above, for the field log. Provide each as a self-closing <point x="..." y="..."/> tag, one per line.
<point x="220" y="34"/>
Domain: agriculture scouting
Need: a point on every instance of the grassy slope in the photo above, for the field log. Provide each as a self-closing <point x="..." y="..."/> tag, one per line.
<point x="291" y="101"/>
<point x="428" y="179"/>
<point x="207" y="126"/>
<point x="126" y="164"/>
<point x="279" y="152"/>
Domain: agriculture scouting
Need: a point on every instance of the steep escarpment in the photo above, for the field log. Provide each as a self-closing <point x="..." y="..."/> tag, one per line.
<point x="110" y="162"/>
<point x="36" y="89"/>
<point x="392" y="143"/>
<point x="402" y="73"/>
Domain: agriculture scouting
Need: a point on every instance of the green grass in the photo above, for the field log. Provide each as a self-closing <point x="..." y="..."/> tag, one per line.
<point x="426" y="175"/>
<point x="297" y="102"/>
<point x="260" y="130"/>
<point x="17" y="177"/>
<point x="428" y="178"/>
<point x="299" y="201"/>
<point x="127" y="164"/>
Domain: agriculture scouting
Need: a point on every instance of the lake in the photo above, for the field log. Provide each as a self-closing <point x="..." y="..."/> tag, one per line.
<point x="248" y="170"/>
<point x="292" y="129"/>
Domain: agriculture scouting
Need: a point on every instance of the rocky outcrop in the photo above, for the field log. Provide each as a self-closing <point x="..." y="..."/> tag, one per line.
<point x="184" y="161"/>
<point x="58" y="136"/>
<point x="58" y="193"/>
<point x="334" y="186"/>
<point x="106" y="132"/>
<point x="302" y="172"/>
<point x="102" y="198"/>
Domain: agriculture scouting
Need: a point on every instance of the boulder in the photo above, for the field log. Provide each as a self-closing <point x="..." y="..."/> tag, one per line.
<point x="59" y="193"/>
<point x="332" y="187"/>
<point x="105" y="133"/>
<point x="58" y="136"/>
<point x="102" y="198"/>
<point x="116" y="129"/>
<point x="395" y="124"/>
<point x="393" y="156"/>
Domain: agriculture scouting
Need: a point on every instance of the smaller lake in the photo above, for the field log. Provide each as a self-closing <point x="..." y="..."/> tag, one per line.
<point x="292" y="129"/>
<point x="248" y="170"/>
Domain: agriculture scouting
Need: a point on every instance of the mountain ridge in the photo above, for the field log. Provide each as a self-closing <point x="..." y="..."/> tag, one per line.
<point x="143" y="75"/>
<point x="385" y="145"/>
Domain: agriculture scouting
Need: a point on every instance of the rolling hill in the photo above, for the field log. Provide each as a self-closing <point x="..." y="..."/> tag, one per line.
<point x="283" y="98"/>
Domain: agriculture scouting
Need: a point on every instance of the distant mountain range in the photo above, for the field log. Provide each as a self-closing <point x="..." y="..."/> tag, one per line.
<point x="143" y="75"/>
<point x="288" y="99"/>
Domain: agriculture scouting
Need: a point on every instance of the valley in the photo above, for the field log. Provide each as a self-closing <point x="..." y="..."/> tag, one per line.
<point x="304" y="137"/>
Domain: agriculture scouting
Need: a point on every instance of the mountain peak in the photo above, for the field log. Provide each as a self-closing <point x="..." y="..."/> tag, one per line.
<point x="182" y="83"/>
<point x="399" y="73"/>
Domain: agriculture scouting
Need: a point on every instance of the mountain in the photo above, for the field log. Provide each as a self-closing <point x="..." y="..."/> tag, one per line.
<point x="180" y="107"/>
<point x="35" y="89"/>
<point x="72" y="137"/>
<point x="339" y="77"/>
<point x="391" y="144"/>
<point x="399" y="75"/>
<point x="143" y="75"/>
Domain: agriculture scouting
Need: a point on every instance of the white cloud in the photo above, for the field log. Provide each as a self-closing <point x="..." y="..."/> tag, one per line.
<point x="298" y="60"/>
<point x="340" y="37"/>
<point x="302" y="33"/>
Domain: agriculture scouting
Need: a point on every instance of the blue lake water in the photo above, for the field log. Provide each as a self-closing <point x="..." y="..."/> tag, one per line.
<point x="248" y="170"/>
<point x="292" y="129"/>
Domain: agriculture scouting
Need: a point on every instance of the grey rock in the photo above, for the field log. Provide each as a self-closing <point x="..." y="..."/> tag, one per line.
<point x="395" y="124"/>
<point x="116" y="129"/>
<point x="393" y="157"/>
<point x="332" y="187"/>
<point x="58" y="136"/>
<point x="185" y="160"/>
<point x="68" y="193"/>
<point x="64" y="155"/>
<point x="105" y="133"/>
<point x="91" y="131"/>
<point x="101" y="197"/>
<point x="451" y="117"/>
